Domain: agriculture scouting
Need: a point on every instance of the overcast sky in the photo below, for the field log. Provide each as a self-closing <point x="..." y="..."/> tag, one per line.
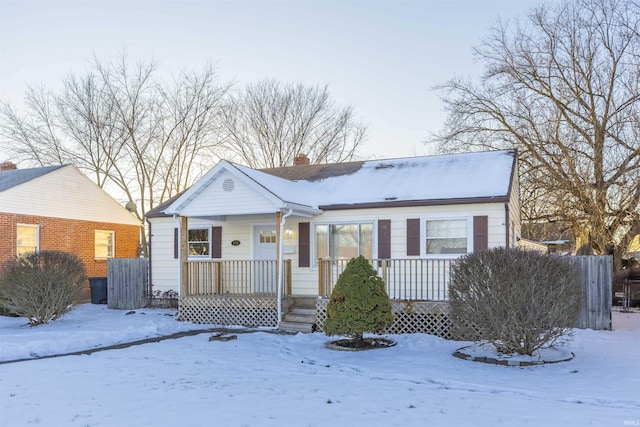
<point x="382" y="57"/>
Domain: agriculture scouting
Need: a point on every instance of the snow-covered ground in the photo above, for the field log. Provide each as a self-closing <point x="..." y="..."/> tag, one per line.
<point x="264" y="379"/>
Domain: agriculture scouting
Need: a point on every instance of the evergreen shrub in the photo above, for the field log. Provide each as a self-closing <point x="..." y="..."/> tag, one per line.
<point x="358" y="303"/>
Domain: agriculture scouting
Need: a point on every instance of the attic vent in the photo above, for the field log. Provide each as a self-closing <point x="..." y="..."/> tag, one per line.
<point x="384" y="166"/>
<point x="228" y="185"/>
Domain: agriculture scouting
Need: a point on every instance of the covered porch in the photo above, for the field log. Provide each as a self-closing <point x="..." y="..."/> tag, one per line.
<point x="246" y="292"/>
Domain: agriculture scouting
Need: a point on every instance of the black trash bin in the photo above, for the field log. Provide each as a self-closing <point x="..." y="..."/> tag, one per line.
<point x="98" y="290"/>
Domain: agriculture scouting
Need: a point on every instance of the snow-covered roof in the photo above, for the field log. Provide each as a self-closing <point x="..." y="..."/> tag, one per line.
<point x="453" y="178"/>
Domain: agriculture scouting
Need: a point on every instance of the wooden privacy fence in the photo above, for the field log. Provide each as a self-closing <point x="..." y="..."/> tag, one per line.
<point x="596" y="277"/>
<point x="127" y="280"/>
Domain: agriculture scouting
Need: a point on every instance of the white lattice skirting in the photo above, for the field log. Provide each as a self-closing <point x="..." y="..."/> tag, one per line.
<point x="428" y="317"/>
<point x="228" y="310"/>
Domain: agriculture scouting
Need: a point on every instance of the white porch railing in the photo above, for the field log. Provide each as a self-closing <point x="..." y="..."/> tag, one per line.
<point x="405" y="279"/>
<point x="233" y="278"/>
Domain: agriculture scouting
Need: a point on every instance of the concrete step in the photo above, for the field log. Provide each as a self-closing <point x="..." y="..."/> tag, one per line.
<point x="296" y="327"/>
<point x="303" y="311"/>
<point x="304" y="302"/>
<point x="300" y="318"/>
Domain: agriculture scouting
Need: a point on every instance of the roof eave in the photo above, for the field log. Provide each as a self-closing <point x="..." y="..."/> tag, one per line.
<point x="411" y="203"/>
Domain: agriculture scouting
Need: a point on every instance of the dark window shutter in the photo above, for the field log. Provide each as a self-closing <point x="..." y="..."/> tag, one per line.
<point x="480" y="233"/>
<point x="176" y="242"/>
<point x="384" y="238"/>
<point x="216" y="242"/>
<point x="413" y="236"/>
<point x="304" y="244"/>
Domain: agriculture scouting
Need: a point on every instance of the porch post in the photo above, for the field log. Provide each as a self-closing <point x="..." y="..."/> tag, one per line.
<point x="184" y="254"/>
<point x="280" y="220"/>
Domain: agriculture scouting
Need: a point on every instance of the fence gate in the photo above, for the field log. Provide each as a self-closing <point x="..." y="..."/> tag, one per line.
<point x="126" y="282"/>
<point x="597" y="299"/>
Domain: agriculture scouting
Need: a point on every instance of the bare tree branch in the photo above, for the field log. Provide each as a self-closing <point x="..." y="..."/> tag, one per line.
<point x="269" y="123"/>
<point x="564" y="90"/>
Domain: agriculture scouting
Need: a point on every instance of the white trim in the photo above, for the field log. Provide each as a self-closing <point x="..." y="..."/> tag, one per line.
<point x="313" y="264"/>
<point x="423" y="235"/>
<point x="199" y="227"/>
<point x="253" y="235"/>
<point x="37" y="237"/>
<point x="275" y="202"/>
<point x="113" y="245"/>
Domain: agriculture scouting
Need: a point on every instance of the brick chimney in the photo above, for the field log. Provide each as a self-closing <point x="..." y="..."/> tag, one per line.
<point x="301" y="160"/>
<point x="8" y="166"/>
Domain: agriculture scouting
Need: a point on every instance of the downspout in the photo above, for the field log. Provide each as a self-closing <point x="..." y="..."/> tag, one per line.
<point x="507" y="221"/>
<point x="281" y="265"/>
<point x="177" y="219"/>
<point x="150" y="278"/>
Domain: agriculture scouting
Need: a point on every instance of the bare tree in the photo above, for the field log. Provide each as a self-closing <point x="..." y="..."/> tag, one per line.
<point x="269" y="123"/>
<point x="124" y="127"/>
<point x="564" y="89"/>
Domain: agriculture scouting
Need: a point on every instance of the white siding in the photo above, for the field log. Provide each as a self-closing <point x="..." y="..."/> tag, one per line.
<point x="65" y="193"/>
<point x="305" y="280"/>
<point x="165" y="274"/>
<point x="164" y="267"/>
<point x="215" y="201"/>
<point x="514" y="211"/>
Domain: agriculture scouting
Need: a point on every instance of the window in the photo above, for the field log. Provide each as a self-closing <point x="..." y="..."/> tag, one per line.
<point x="199" y="242"/>
<point x="27" y="237"/>
<point x="446" y="236"/>
<point x="105" y="244"/>
<point x="344" y="240"/>
<point x="267" y="236"/>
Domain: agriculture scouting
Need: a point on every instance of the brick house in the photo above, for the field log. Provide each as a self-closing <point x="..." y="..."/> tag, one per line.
<point x="59" y="208"/>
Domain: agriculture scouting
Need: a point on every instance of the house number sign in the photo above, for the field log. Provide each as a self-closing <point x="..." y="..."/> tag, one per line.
<point x="235" y="243"/>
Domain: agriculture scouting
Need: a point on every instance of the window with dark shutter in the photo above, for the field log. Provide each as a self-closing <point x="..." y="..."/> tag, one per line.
<point x="413" y="236"/>
<point x="384" y="238"/>
<point x="480" y="233"/>
<point x="304" y="246"/>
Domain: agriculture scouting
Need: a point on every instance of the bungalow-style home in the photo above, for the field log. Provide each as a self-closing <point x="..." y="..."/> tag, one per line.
<point x="59" y="208"/>
<point x="265" y="247"/>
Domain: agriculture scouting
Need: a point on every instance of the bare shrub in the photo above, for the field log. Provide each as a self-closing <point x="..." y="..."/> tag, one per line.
<point x="520" y="301"/>
<point x="42" y="286"/>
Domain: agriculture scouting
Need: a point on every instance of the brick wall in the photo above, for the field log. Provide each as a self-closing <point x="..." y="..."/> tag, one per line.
<point x="73" y="236"/>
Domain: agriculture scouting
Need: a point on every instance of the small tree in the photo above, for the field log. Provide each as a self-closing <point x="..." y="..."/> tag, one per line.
<point x="519" y="301"/>
<point x="42" y="286"/>
<point x="359" y="303"/>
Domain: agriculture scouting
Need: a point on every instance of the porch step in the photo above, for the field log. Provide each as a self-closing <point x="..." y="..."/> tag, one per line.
<point x="303" y="311"/>
<point x="296" y="327"/>
<point x="304" y="302"/>
<point x="300" y="318"/>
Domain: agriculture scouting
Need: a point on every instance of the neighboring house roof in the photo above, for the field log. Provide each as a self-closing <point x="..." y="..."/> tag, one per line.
<point x="14" y="177"/>
<point x="61" y="191"/>
<point x="446" y="179"/>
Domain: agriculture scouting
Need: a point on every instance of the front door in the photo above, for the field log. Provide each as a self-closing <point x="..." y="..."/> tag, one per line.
<point x="264" y="256"/>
